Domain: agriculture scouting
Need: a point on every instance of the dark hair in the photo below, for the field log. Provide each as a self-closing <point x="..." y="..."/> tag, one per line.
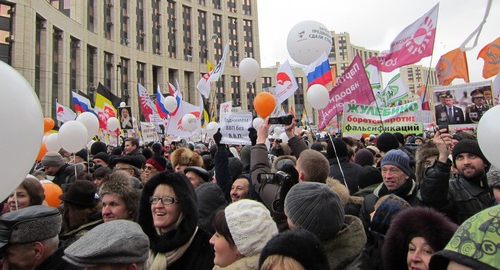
<point x="134" y="141"/>
<point x="34" y="189"/>
<point x="219" y="223"/>
<point x="101" y="172"/>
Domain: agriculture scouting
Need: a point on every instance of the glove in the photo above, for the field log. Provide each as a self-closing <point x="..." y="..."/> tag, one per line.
<point x="252" y="135"/>
<point x="218" y="137"/>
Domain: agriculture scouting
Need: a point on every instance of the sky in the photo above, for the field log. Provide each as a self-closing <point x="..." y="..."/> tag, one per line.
<point x="374" y="24"/>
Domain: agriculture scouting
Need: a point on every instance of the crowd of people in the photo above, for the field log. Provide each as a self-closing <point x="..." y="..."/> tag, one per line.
<point x="387" y="201"/>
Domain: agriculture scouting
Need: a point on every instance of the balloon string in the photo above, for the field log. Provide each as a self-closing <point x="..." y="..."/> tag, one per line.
<point x="74" y="156"/>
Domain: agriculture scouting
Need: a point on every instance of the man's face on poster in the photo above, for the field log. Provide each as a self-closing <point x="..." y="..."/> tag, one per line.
<point x="478" y="101"/>
<point x="449" y="101"/>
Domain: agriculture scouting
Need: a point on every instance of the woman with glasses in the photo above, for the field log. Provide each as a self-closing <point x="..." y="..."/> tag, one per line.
<point x="168" y="215"/>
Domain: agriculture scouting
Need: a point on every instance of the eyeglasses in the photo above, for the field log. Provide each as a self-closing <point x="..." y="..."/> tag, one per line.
<point x="164" y="200"/>
<point x="150" y="168"/>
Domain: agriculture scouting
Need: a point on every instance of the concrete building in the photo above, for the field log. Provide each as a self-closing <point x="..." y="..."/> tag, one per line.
<point x="416" y="76"/>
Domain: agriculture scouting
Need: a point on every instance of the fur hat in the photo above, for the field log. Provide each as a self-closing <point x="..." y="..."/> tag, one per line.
<point x="468" y="146"/>
<point x="301" y="245"/>
<point x="364" y="157"/>
<point x="387" y="141"/>
<point x="250" y="225"/>
<point x="412" y="222"/>
<point x="184" y="156"/>
<point x="399" y="159"/>
<point x="316" y="208"/>
<point x="340" y="148"/>
<point x="493" y="176"/>
<point x="29" y="224"/>
<point x="81" y="193"/>
<point x="52" y="159"/>
<point x="186" y="196"/>
<point x="368" y="176"/>
<point x="120" y="183"/>
<point x="423" y="152"/>
<point x="113" y="242"/>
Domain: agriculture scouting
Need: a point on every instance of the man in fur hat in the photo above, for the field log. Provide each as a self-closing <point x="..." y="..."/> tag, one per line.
<point x="183" y="157"/>
<point x="468" y="191"/>
<point x="119" y="198"/>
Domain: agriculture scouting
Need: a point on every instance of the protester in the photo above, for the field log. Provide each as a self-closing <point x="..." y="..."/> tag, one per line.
<point x="369" y="178"/>
<point x="494" y="182"/>
<point x="101" y="159"/>
<point x="119" y="198"/>
<point x="120" y="244"/>
<point x="240" y="189"/>
<point x="99" y="175"/>
<point x="131" y="148"/>
<point x="242" y="229"/>
<point x="62" y="172"/>
<point x="425" y="156"/>
<point x="474" y="245"/>
<point x="210" y="199"/>
<point x="341" y="168"/>
<point x="183" y="157"/>
<point x="364" y="157"/>
<point x="168" y="216"/>
<point x="29" y="192"/>
<point x="196" y="175"/>
<point x="413" y="236"/>
<point x="29" y="239"/>
<point x="294" y="250"/>
<point x="154" y="165"/>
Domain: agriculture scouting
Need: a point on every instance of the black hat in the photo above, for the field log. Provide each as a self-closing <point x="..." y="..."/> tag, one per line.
<point x="128" y="159"/>
<point x="97" y="147"/>
<point x="387" y="141"/>
<point x="30" y="224"/>
<point x="468" y="146"/>
<point x="340" y="148"/>
<point x="83" y="154"/>
<point x="301" y="245"/>
<point x="199" y="171"/>
<point x="81" y="193"/>
<point x="368" y="176"/>
<point x="478" y="93"/>
<point x="102" y="156"/>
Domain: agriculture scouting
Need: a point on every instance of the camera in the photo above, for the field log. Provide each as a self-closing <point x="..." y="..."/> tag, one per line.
<point x="281" y="120"/>
<point x="277" y="178"/>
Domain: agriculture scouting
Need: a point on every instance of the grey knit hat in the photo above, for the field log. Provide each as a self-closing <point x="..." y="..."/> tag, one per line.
<point x="316" y="208"/>
<point x="113" y="242"/>
<point x="399" y="159"/>
<point x="493" y="176"/>
<point x="30" y="224"/>
<point x="52" y="159"/>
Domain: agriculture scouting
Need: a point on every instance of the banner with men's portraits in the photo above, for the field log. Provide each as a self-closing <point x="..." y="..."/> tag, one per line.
<point x="460" y="107"/>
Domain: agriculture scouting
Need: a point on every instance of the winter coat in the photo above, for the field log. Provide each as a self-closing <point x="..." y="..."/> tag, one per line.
<point x="259" y="163"/>
<point x="56" y="262"/>
<point x="65" y="176"/>
<point x="366" y="191"/>
<point x="344" y="250"/>
<point x="70" y="237"/>
<point x="210" y="199"/>
<point x="350" y="176"/>
<point x="465" y="197"/>
<point x="137" y="153"/>
<point x="222" y="172"/>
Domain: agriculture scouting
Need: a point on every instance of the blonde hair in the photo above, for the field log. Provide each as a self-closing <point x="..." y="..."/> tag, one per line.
<point x="275" y="262"/>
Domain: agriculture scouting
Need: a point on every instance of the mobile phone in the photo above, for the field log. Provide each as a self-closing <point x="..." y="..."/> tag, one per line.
<point x="444" y="126"/>
<point x="281" y="120"/>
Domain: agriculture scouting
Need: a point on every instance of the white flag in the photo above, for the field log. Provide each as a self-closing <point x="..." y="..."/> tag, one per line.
<point x="394" y="91"/>
<point x="286" y="84"/>
<point x="64" y="114"/>
<point x="175" y="122"/>
<point x="204" y="85"/>
<point x="219" y="68"/>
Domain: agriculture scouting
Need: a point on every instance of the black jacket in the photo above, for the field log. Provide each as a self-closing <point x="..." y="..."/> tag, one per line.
<point x="351" y="171"/>
<point x="465" y="197"/>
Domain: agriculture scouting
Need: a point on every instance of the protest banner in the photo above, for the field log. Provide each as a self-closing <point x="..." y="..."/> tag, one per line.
<point x="234" y="130"/>
<point x="148" y="131"/>
<point x="366" y="119"/>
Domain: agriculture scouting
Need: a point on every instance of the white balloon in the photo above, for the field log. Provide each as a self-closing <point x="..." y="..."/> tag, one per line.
<point x="123" y="104"/>
<point x="257" y="122"/>
<point x="212" y="128"/>
<point x="22" y="128"/>
<point x="52" y="142"/>
<point x="277" y="131"/>
<point x="307" y="40"/>
<point x="318" y="96"/>
<point x="189" y="122"/>
<point x="170" y="103"/>
<point x="91" y="122"/>
<point x="487" y="132"/>
<point x="73" y="136"/>
<point x="249" y="69"/>
<point x="284" y="137"/>
<point x="113" y="124"/>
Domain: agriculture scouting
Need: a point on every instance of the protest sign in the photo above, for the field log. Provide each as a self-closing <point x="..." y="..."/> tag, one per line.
<point x="148" y="131"/>
<point x="234" y="130"/>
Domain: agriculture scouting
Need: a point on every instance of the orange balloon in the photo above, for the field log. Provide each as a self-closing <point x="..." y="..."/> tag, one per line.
<point x="264" y="104"/>
<point x="41" y="153"/>
<point x="52" y="192"/>
<point x="48" y="124"/>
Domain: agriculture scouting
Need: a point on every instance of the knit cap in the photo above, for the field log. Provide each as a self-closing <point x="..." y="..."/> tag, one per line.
<point x="387" y="141"/>
<point x="399" y="159"/>
<point x="468" y="146"/>
<point x="102" y="156"/>
<point x="316" y="208"/>
<point x="493" y="176"/>
<point x="52" y="159"/>
<point x="368" y="176"/>
<point x="364" y="157"/>
<point x="340" y="148"/>
<point x="250" y="225"/>
<point x="158" y="162"/>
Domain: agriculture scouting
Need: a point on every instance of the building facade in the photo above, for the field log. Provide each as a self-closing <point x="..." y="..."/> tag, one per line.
<point x="416" y="76"/>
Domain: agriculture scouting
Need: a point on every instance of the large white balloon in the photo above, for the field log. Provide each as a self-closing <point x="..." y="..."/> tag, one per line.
<point x="52" y="142"/>
<point x="249" y="69"/>
<point x="73" y="136"/>
<point x="91" y="122"/>
<point x="257" y="122"/>
<point x="284" y="137"/>
<point x="22" y="128"/>
<point x="170" y="103"/>
<point x="211" y="129"/>
<point x="307" y="40"/>
<point x="487" y="132"/>
<point x="189" y="122"/>
<point x="318" y="96"/>
<point x="113" y="124"/>
<point x="277" y="131"/>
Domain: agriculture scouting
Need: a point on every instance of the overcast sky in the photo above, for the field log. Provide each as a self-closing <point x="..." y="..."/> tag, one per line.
<point x="374" y="24"/>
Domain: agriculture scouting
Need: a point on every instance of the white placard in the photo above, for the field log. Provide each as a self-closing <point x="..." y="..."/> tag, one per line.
<point x="235" y="128"/>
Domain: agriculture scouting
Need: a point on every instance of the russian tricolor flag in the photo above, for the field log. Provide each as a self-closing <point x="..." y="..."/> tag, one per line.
<point x="319" y="72"/>
<point x="81" y="104"/>
<point x="162" y="111"/>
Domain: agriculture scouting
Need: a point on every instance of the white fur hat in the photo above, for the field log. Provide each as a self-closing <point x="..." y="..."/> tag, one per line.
<point x="251" y="226"/>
